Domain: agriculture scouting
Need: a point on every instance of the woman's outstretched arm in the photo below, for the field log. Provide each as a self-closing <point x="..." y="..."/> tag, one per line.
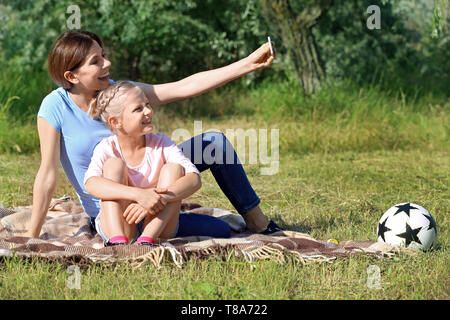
<point x="47" y="176"/>
<point x="202" y="82"/>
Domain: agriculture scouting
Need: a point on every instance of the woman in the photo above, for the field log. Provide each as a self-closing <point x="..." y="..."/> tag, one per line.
<point x="67" y="134"/>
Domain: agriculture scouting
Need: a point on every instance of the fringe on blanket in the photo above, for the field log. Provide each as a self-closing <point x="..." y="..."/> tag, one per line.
<point x="66" y="237"/>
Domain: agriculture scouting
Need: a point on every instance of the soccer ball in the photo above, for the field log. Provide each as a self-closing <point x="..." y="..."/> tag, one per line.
<point x="407" y="225"/>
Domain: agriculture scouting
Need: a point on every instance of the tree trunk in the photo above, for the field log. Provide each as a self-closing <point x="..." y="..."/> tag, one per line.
<point x="133" y="71"/>
<point x="310" y="72"/>
<point x="298" y="39"/>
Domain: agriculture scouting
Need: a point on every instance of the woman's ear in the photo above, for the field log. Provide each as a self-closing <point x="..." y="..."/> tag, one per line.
<point x="71" y="77"/>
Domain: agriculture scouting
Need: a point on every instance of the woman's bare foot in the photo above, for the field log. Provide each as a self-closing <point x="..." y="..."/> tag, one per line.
<point x="255" y="220"/>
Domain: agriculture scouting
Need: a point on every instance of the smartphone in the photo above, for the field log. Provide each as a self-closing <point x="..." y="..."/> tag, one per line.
<point x="270" y="44"/>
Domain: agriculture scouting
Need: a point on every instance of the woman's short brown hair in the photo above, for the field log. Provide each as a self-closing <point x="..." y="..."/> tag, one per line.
<point x="68" y="53"/>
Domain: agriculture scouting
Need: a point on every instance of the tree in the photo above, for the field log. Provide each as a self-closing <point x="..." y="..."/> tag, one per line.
<point x="295" y="30"/>
<point x="157" y="41"/>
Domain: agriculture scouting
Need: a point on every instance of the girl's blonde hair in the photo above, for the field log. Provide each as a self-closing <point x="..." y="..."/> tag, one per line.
<point x="104" y="106"/>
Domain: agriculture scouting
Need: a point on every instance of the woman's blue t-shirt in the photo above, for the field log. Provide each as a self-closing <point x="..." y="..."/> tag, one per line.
<point x="79" y="136"/>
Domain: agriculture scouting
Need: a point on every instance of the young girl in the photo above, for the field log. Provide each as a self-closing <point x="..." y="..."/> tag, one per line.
<point x="137" y="157"/>
<point x="68" y="135"/>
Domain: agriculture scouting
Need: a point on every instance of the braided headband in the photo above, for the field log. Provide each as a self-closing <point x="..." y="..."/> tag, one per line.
<point x="104" y="97"/>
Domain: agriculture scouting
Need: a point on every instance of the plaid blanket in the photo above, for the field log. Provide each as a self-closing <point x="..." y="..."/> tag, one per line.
<point x="66" y="237"/>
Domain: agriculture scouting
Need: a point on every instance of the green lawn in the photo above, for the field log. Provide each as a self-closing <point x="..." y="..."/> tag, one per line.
<point x="338" y="195"/>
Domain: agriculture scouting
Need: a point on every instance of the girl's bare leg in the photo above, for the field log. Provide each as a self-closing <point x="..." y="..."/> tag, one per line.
<point x="164" y="224"/>
<point x="111" y="212"/>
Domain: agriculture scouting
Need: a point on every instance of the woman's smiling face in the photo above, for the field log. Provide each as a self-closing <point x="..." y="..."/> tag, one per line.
<point x="93" y="74"/>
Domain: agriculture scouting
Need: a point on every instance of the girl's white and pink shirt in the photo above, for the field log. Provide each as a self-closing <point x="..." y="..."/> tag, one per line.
<point x="159" y="150"/>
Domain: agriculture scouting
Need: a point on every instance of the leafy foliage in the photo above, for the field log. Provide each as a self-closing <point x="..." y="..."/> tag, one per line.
<point x="397" y="54"/>
<point x="158" y="41"/>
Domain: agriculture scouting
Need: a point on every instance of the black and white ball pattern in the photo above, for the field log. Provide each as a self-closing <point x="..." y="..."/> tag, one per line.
<point x="407" y="225"/>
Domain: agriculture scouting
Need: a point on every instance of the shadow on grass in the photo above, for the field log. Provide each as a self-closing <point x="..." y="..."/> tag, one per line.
<point x="298" y="227"/>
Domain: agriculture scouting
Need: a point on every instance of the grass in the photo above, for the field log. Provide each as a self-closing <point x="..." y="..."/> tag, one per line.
<point x="342" y="117"/>
<point x="346" y="155"/>
<point x="340" y="196"/>
<point x="215" y="279"/>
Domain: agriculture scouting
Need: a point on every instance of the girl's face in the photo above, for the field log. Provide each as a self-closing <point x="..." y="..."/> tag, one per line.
<point x="93" y="74"/>
<point x="137" y="115"/>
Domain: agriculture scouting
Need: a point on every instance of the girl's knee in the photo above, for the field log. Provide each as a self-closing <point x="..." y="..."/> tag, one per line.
<point x="170" y="173"/>
<point x="115" y="169"/>
<point x="172" y="169"/>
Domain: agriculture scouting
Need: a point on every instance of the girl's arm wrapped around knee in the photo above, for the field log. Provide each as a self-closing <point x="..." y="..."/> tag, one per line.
<point x="183" y="187"/>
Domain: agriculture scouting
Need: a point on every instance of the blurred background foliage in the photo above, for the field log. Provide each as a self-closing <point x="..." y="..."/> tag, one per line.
<point x="157" y="41"/>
